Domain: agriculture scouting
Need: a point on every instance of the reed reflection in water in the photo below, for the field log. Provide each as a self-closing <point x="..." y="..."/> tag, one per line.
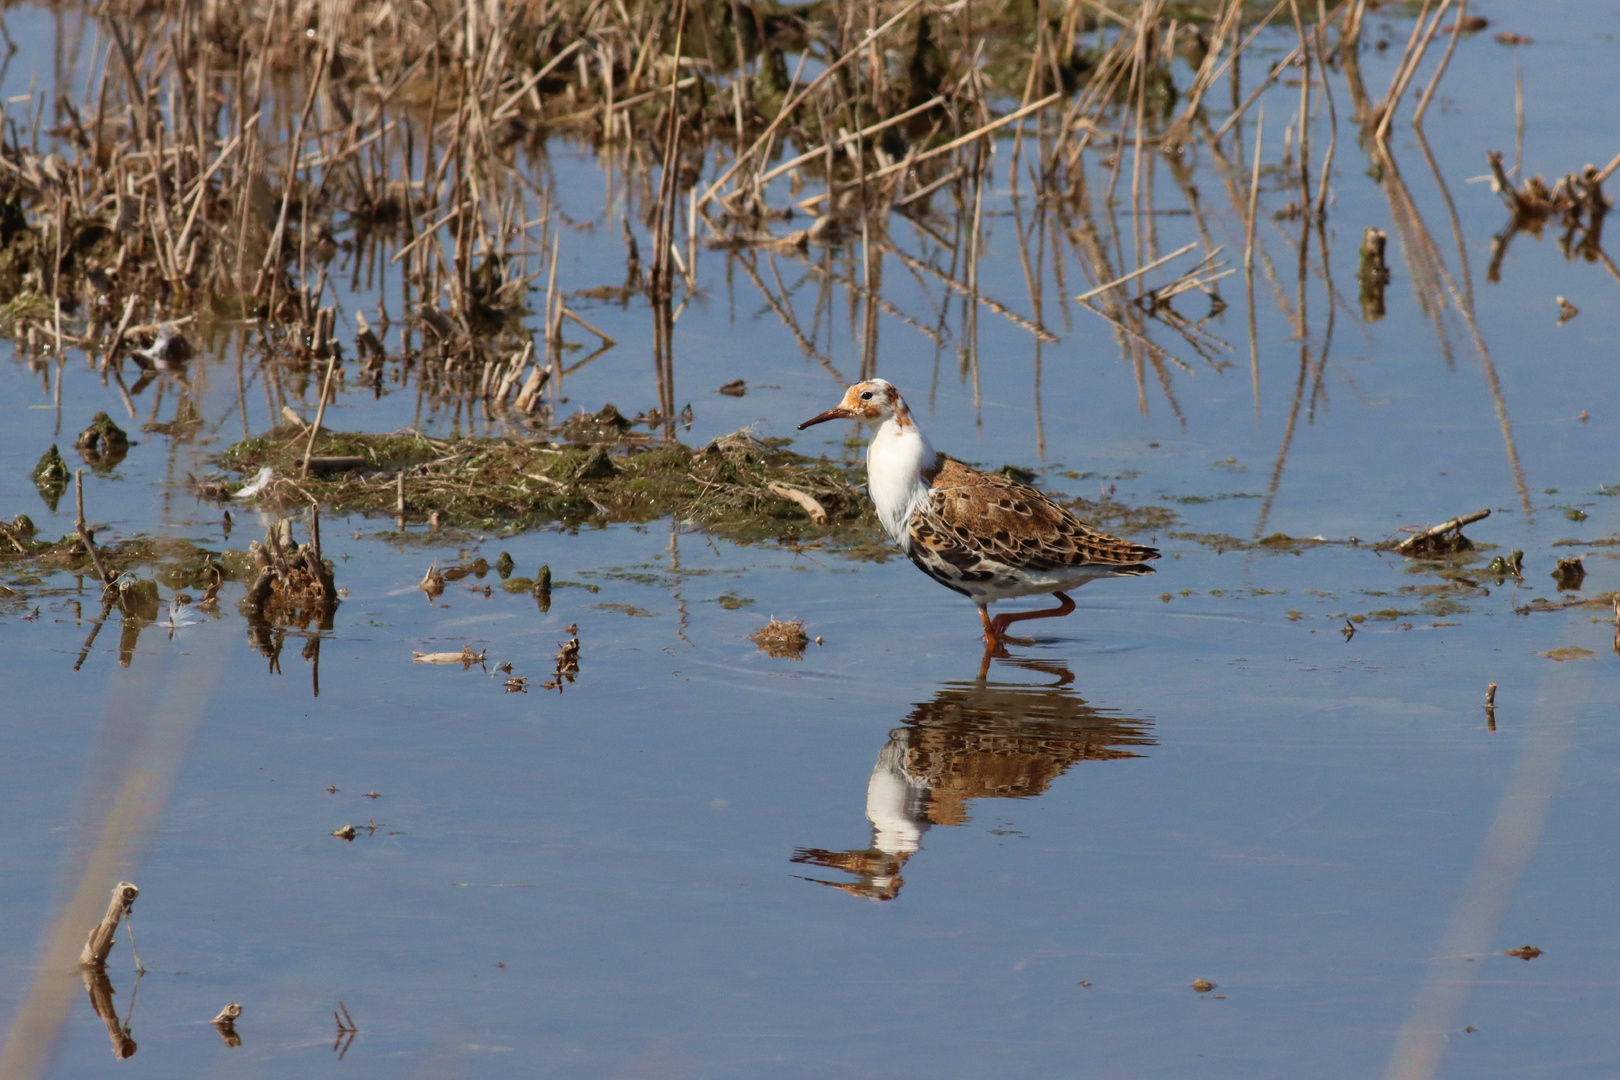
<point x="975" y="740"/>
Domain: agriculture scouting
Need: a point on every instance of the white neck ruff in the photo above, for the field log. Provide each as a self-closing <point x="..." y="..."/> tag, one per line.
<point x="895" y="461"/>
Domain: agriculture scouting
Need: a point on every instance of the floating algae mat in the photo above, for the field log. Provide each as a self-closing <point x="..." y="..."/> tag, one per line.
<point x="739" y="487"/>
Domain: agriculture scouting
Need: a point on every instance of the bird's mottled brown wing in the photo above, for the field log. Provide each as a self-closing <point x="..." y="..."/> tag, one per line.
<point x="990" y="516"/>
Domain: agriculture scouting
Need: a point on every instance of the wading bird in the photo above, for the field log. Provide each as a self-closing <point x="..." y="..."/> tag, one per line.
<point x="982" y="534"/>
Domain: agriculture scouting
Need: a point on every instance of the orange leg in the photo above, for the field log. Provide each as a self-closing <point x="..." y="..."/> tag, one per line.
<point x="995" y="630"/>
<point x="992" y="639"/>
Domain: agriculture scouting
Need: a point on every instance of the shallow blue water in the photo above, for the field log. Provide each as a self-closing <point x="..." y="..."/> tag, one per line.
<point x="1218" y="785"/>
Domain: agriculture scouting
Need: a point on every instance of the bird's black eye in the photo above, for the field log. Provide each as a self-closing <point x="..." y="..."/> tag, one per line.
<point x="866" y="395"/>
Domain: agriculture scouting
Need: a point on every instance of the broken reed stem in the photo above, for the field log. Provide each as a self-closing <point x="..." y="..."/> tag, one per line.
<point x="115" y="350"/>
<point x="1604" y="173"/>
<point x="1445" y="60"/>
<point x="1518" y="119"/>
<point x="1237" y="113"/>
<point x="56" y="287"/>
<point x="1417" y="539"/>
<point x="101" y="938"/>
<point x="320" y="410"/>
<point x="84" y="532"/>
<point x="1320" y="37"/>
<point x="568" y="312"/>
<point x="272" y="252"/>
<point x="1275" y="74"/>
<point x="1246" y="42"/>
<point x="788" y="108"/>
<point x="1409" y="68"/>
<point x="534" y="80"/>
<point x="1134" y="274"/>
<point x="1248" y="257"/>
<point x="978" y="133"/>
<point x="849" y="140"/>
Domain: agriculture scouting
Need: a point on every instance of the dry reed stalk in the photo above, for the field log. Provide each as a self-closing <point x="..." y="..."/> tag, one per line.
<point x="1275" y="73"/>
<point x="1134" y="274"/>
<point x="86" y="538"/>
<point x="794" y="102"/>
<point x="1229" y="15"/>
<point x="1416" y="47"/>
<point x="1248" y="256"/>
<point x="845" y="141"/>
<point x="320" y="411"/>
<point x="1445" y="61"/>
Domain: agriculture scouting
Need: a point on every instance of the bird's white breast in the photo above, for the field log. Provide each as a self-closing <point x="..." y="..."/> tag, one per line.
<point x="894" y="465"/>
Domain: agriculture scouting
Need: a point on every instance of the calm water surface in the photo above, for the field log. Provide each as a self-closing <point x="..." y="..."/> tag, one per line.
<point x="887" y="859"/>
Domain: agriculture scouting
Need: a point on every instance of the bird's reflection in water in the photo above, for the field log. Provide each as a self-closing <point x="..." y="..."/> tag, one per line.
<point x="974" y="740"/>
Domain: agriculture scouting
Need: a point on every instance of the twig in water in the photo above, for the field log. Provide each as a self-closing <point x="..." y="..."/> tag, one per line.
<point x="345" y="1027"/>
<point x="1434" y="540"/>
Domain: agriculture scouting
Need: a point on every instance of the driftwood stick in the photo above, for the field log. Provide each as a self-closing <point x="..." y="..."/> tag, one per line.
<point x="1417" y="539"/>
<point x="806" y="501"/>
<point x="100" y="942"/>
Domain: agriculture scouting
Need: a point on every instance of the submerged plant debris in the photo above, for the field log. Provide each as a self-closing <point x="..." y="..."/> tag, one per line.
<point x="783" y="639"/>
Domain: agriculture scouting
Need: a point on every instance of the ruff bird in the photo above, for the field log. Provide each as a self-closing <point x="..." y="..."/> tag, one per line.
<point x="981" y="534"/>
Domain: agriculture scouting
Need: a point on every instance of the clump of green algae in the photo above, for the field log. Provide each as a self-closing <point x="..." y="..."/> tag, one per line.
<point x="732" y="488"/>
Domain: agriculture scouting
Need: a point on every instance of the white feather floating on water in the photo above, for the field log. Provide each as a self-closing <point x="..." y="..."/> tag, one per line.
<point x="180" y="615"/>
<point x="256" y="485"/>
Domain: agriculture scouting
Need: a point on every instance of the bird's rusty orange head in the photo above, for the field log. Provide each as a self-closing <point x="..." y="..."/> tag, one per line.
<point x="870" y="402"/>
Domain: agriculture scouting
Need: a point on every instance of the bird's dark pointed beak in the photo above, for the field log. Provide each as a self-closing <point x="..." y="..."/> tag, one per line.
<point x="837" y="412"/>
